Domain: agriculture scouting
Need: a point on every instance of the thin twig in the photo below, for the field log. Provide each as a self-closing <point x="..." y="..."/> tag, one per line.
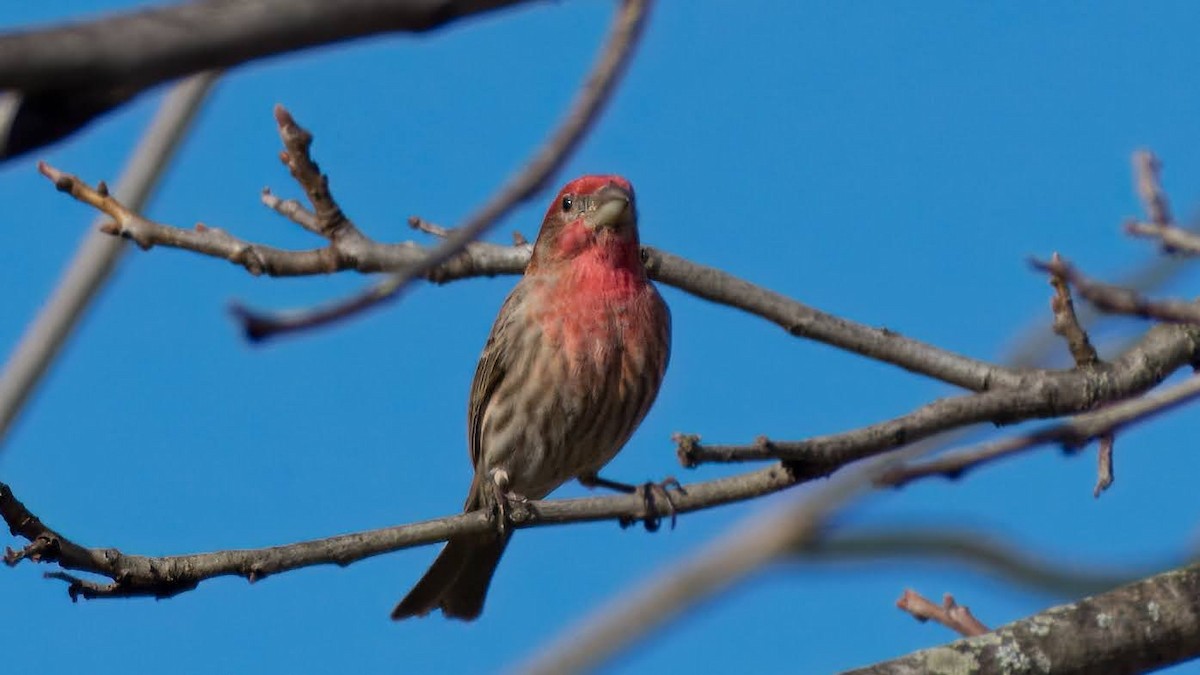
<point x="98" y="254"/>
<point x="950" y="614"/>
<point x="292" y="210"/>
<point x="1119" y="300"/>
<point x="1073" y="433"/>
<point x="1174" y="239"/>
<point x="975" y="549"/>
<point x="624" y="36"/>
<point x="1066" y="323"/>
<point x="1104" y="464"/>
<point x="1147" y="184"/>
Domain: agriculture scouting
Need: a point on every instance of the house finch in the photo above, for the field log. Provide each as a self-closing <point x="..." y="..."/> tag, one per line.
<point x="572" y="365"/>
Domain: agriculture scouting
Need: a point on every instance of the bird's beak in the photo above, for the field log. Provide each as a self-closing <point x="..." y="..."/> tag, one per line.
<point x="612" y="206"/>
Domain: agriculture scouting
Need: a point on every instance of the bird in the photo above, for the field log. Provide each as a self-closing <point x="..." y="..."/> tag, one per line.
<point x="573" y="363"/>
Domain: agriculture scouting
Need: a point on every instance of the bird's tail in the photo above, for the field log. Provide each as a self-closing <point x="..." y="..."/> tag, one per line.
<point x="457" y="582"/>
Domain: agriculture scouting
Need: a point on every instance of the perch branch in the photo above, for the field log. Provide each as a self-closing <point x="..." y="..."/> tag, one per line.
<point x="136" y="575"/>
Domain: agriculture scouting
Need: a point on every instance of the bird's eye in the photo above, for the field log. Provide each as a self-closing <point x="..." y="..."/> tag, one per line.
<point x="566" y="203"/>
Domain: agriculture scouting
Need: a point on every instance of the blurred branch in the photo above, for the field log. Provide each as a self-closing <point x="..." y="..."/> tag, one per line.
<point x="974" y="549"/>
<point x="742" y="550"/>
<point x="1146" y="625"/>
<point x="67" y="75"/>
<point x="1147" y="182"/>
<point x="156" y="44"/>
<point x="1173" y="239"/>
<point x="614" y="58"/>
<point x="1073" y="433"/>
<point x="97" y="256"/>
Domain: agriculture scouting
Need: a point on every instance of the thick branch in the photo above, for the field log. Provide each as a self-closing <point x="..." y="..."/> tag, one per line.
<point x="1146" y="625"/>
<point x="149" y="46"/>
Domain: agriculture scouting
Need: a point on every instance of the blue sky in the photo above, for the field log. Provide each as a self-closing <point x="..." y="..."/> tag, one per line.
<point x="892" y="163"/>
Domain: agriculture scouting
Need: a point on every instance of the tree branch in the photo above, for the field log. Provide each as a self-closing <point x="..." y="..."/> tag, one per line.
<point x="1120" y="300"/>
<point x="149" y="46"/>
<point x="161" y="577"/>
<point x="1146" y="625"/>
<point x="1072" y="434"/>
<point x="486" y="259"/>
<point x="1040" y="394"/>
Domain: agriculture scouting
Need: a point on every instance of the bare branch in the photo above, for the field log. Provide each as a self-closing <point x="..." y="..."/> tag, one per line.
<point x="343" y="253"/>
<point x="166" y="576"/>
<point x="974" y="549"/>
<point x="1073" y="433"/>
<point x="1119" y="300"/>
<point x="1146" y="625"/>
<point x="1041" y="394"/>
<point x="1066" y="323"/>
<point x="950" y="614"/>
<point x="1174" y="239"/>
<point x="97" y="256"/>
<point x="1146" y="171"/>
<point x="485" y="259"/>
<point x="595" y="93"/>
<point x="1104" y="464"/>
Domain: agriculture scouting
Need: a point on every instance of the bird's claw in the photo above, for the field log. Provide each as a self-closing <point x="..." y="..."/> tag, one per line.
<point x="504" y="500"/>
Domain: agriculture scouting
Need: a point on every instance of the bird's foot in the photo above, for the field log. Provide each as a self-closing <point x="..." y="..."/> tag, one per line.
<point x="650" y="492"/>
<point x="504" y="500"/>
